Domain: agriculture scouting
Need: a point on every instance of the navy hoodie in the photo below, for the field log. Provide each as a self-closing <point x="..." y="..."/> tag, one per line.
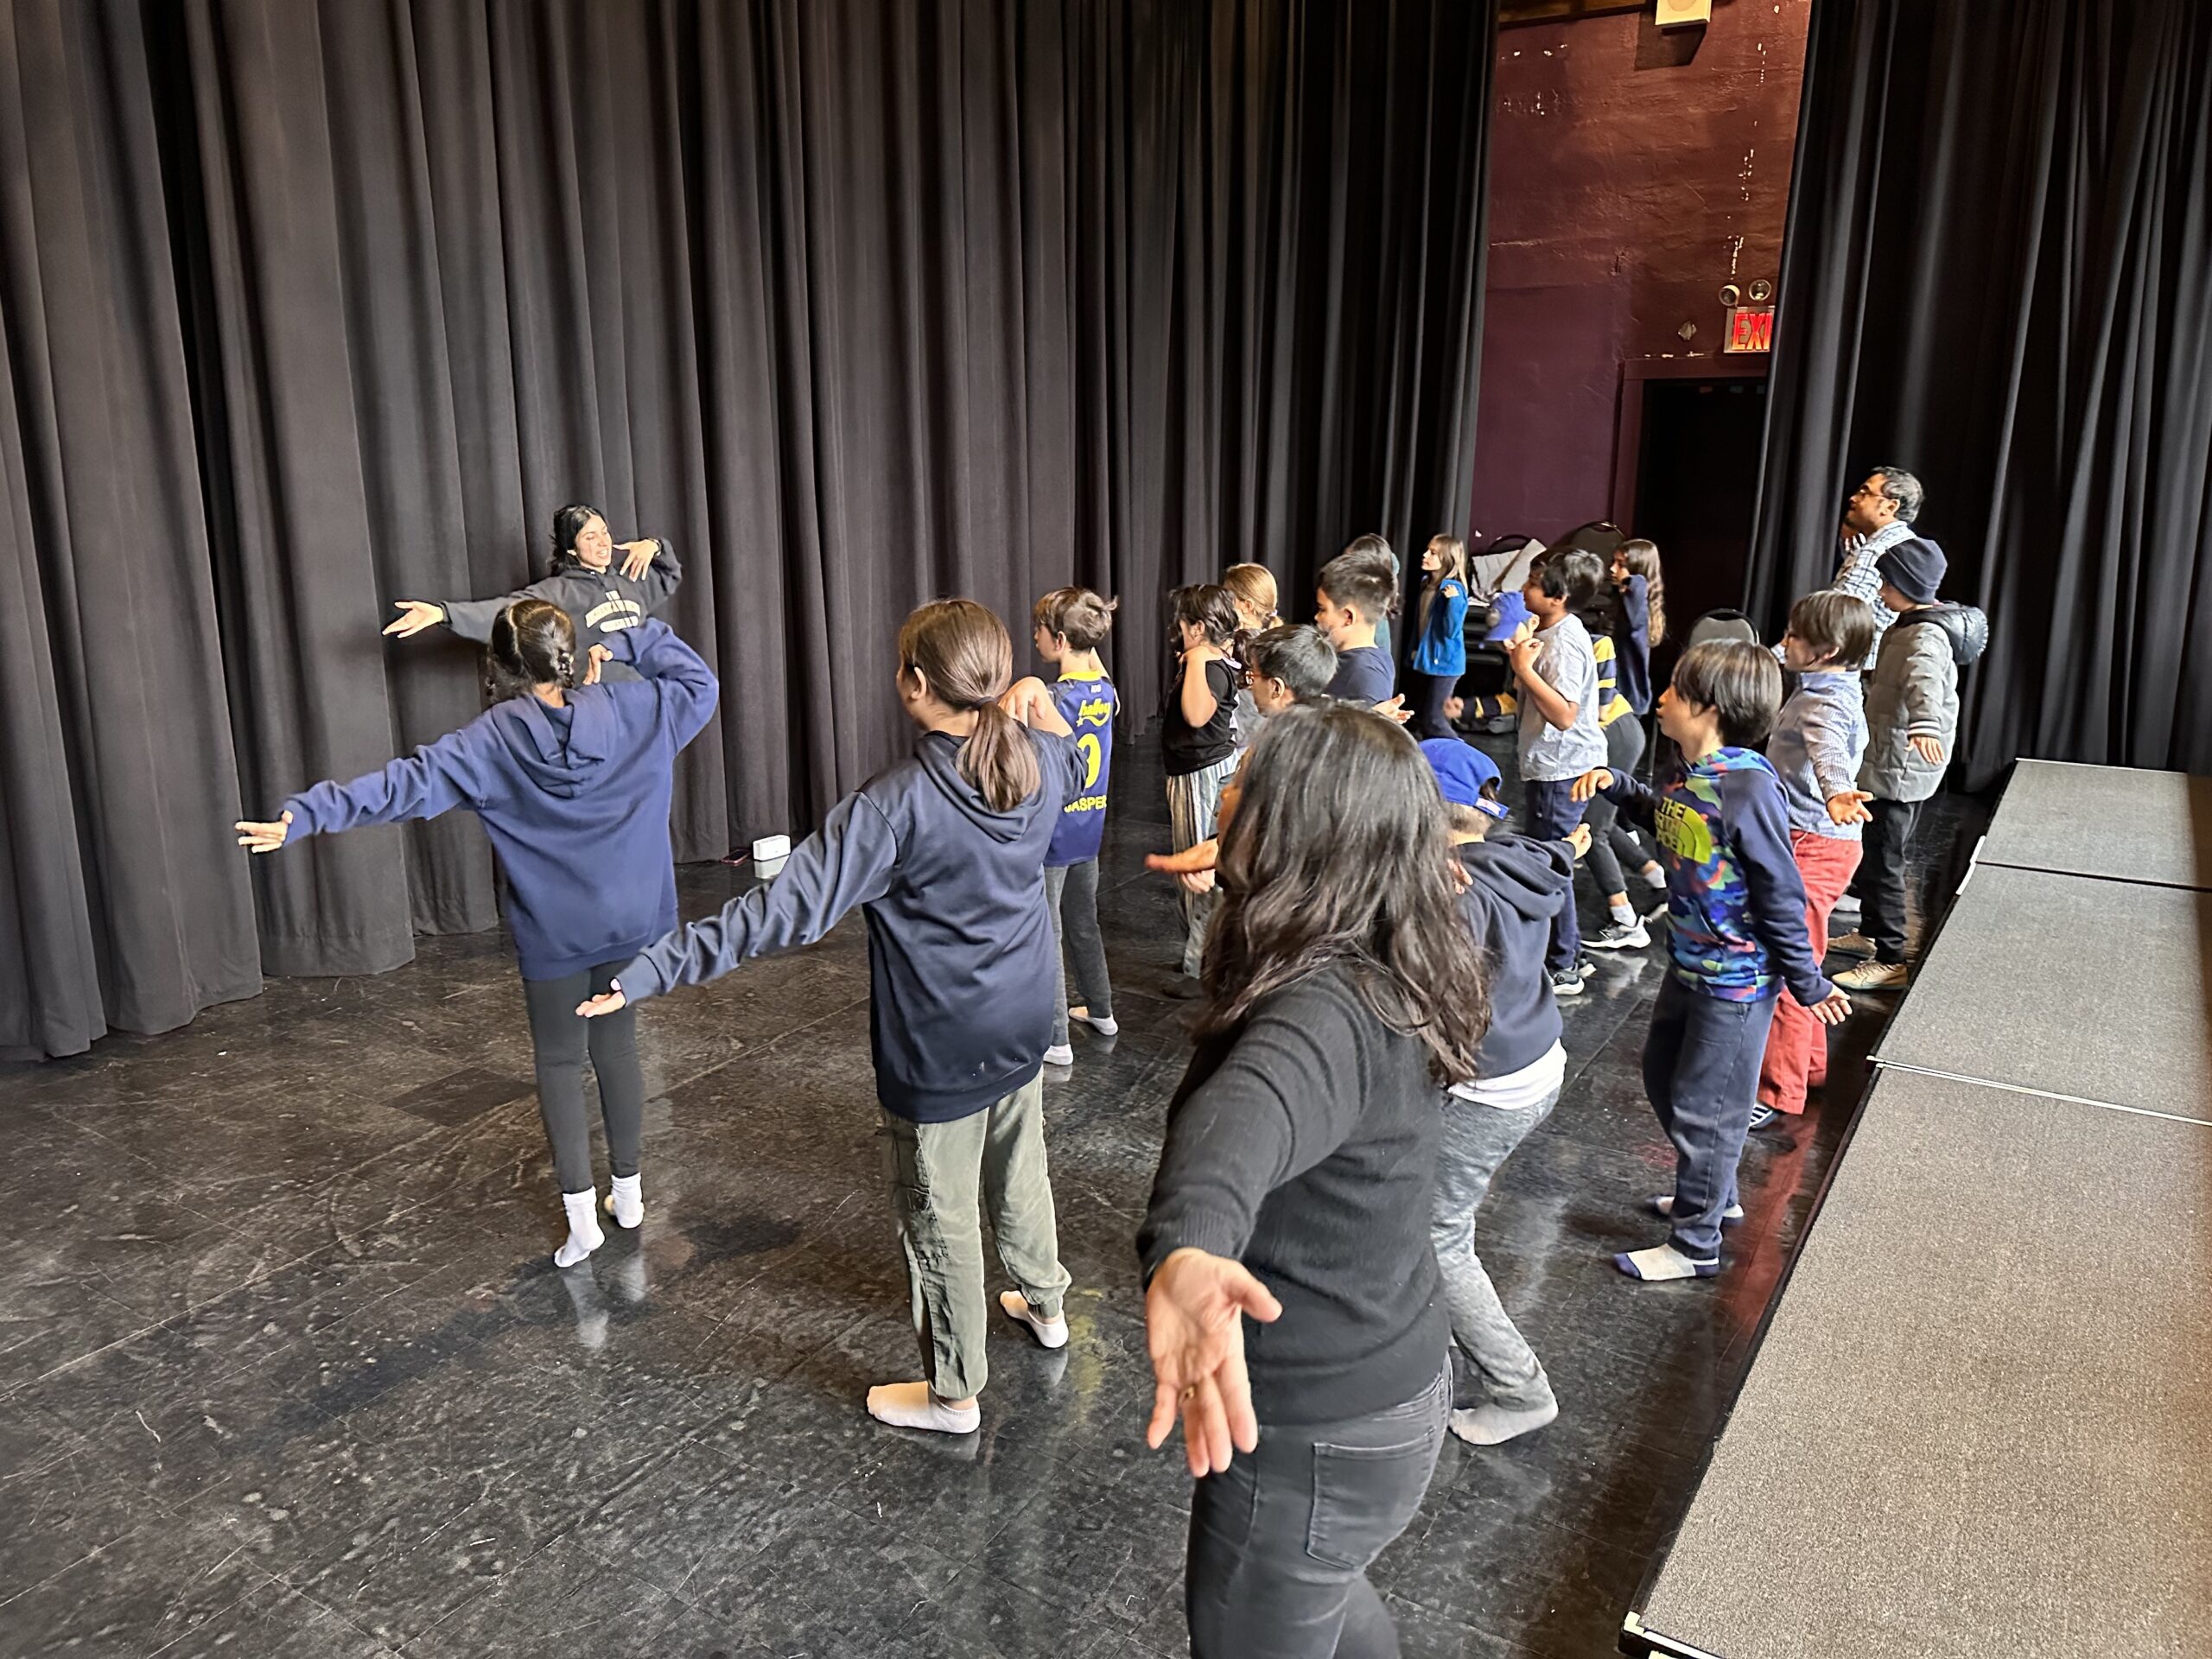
<point x="960" y="950"/>
<point x="1515" y="887"/>
<point x="574" y="799"/>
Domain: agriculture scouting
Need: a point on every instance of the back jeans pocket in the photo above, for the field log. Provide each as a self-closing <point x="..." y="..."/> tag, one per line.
<point x="1364" y="1495"/>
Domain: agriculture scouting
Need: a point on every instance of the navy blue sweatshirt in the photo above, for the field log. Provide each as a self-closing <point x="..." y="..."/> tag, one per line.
<point x="960" y="950"/>
<point x="1632" y="644"/>
<point x="574" y="799"/>
<point x="1515" y="887"/>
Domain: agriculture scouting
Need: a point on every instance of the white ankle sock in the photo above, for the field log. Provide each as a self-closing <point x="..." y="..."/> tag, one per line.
<point x="625" y="1203"/>
<point x="1105" y="1024"/>
<point x="1663" y="1262"/>
<point x="1622" y="912"/>
<point x="584" y="1236"/>
<point x="1052" y="1333"/>
<point x="1664" y="1205"/>
<point x="1492" y="1424"/>
<point x="912" y="1405"/>
<point x="1654" y="877"/>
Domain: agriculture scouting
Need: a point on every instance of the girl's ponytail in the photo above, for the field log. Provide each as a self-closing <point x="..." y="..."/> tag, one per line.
<point x="533" y="643"/>
<point x="962" y="651"/>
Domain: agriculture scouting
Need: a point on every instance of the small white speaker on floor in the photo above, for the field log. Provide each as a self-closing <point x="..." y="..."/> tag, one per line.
<point x="768" y="848"/>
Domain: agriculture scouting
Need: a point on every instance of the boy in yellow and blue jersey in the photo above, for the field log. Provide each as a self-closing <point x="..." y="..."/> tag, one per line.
<point x="1071" y="623"/>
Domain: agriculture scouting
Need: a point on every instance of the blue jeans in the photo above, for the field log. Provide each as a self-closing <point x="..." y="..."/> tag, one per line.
<point x="1553" y="811"/>
<point x="1702" y="1071"/>
<point x="1280" y="1541"/>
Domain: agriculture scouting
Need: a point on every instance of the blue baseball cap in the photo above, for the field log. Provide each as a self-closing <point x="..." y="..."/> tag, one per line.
<point x="1512" y="611"/>
<point x="1461" y="771"/>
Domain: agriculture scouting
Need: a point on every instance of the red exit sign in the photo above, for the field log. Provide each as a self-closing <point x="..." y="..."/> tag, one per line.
<point x="1750" y="329"/>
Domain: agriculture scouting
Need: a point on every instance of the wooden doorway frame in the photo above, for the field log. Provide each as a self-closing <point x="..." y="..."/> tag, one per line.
<point x="1628" y="432"/>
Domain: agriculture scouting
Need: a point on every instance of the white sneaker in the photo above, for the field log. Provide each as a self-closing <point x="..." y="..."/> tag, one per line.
<point x="1567" y="984"/>
<point x="1620" y="936"/>
<point x="1059" y="1054"/>
<point x="1852" y="944"/>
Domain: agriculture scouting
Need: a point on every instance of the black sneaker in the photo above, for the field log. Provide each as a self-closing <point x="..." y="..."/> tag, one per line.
<point x="1179" y="987"/>
<point x="1620" y="936"/>
<point x="1764" y="1117"/>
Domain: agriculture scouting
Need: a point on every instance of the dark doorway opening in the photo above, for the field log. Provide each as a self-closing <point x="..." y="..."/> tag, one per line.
<point x="1691" y="438"/>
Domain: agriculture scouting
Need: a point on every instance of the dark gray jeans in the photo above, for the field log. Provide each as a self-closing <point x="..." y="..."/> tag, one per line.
<point x="1071" y="895"/>
<point x="1281" y="1540"/>
<point x="1476" y="1139"/>
<point x="559" y="1040"/>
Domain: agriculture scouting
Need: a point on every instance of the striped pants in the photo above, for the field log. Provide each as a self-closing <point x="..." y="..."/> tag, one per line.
<point x="1193" y="803"/>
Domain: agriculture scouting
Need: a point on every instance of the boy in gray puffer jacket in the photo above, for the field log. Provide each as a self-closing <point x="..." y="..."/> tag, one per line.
<point x="1912" y="724"/>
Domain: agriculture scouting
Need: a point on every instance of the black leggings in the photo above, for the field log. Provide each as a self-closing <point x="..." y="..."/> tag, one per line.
<point x="559" y="1037"/>
<point x="1428" y="693"/>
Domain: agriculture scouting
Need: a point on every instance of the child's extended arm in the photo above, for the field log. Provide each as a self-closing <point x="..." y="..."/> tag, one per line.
<point x="1828" y="746"/>
<point x="1927" y="670"/>
<point x="1758" y="829"/>
<point x="1635" y="797"/>
<point x="1558" y="711"/>
<point x="1194" y="697"/>
<point x="687" y="687"/>
<point x="436" y="778"/>
<point x="841" y="866"/>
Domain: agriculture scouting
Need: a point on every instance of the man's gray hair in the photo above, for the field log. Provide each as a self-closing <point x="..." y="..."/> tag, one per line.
<point x="1902" y="488"/>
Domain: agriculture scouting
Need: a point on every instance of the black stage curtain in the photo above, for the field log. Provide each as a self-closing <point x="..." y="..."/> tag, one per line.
<point x="313" y="306"/>
<point x="1998" y="273"/>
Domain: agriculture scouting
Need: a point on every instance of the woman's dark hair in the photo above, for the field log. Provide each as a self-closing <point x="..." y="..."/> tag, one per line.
<point x="1740" y="681"/>
<point x="1339" y="854"/>
<point x="1838" y="623"/>
<point x="1209" y="606"/>
<point x="1642" y="558"/>
<point x="1300" y="657"/>
<point x="961" y="650"/>
<point x="533" y="643"/>
<point x="569" y="523"/>
<point x="1079" y="616"/>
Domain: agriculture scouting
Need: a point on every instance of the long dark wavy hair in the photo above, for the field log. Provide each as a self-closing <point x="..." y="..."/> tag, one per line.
<point x="1339" y="854"/>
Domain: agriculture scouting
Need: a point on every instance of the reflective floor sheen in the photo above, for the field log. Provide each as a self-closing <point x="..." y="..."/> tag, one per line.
<point x="286" y="1368"/>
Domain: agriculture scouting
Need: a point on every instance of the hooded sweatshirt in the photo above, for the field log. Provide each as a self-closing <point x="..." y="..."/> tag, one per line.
<point x="574" y="799"/>
<point x="1735" y="899"/>
<point x="601" y="603"/>
<point x="960" y="948"/>
<point x="1515" y="887"/>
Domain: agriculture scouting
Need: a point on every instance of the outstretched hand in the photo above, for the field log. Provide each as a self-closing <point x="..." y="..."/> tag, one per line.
<point x="1395" y="708"/>
<point x="1832" y="1009"/>
<point x="1849" y="806"/>
<point x="263" y="837"/>
<point x="607" y="1002"/>
<point x="1929" y="749"/>
<point x="598" y="658"/>
<point x="635" y="555"/>
<point x="415" y="615"/>
<point x="1188" y="865"/>
<point x="1194" y="1330"/>
<point x="1578" y="838"/>
<point x="1589" y="783"/>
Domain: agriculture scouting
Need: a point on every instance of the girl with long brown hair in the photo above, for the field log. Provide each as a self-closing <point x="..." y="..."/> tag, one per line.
<point x="944" y="852"/>
<point x="1293" y="1310"/>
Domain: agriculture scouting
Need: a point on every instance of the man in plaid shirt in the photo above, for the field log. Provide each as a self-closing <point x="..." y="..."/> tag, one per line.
<point x="1879" y="515"/>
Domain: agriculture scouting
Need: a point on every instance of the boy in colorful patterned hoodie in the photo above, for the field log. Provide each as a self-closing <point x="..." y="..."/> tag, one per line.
<point x="1737" y="933"/>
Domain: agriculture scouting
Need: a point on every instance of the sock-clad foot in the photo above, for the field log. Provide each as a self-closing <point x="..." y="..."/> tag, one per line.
<point x="1663" y="1262"/>
<point x="1105" y="1024"/>
<point x="1664" y="1205"/>
<point x="1059" y="1054"/>
<point x="1494" y="1425"/>
<point x="584" y="1236"/>
<point x="914" y="1405"/>
<point x="1051" y="1333"/>
<point x="625" y="1202"/>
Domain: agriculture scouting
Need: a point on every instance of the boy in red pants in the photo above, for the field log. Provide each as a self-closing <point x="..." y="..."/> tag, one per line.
<point x="1819" y="739"/>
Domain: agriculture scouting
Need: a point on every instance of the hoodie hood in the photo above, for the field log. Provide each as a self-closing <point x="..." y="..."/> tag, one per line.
<point x="940" y="760"/>
<point x="1964" y="626"/>
<point x="562" y="750"/>
<point x="1529" y="878"/>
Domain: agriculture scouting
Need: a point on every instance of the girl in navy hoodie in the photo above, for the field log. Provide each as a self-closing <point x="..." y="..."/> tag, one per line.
<point x="572" y="783"/>
<point x="944" y="852"/>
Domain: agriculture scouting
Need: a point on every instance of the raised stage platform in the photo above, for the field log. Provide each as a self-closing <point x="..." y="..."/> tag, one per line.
<point x="1976" y="1423"/>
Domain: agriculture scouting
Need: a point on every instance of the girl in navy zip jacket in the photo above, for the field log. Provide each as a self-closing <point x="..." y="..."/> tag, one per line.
<point x="944" y="852"/>
<point x="572" y="784"/>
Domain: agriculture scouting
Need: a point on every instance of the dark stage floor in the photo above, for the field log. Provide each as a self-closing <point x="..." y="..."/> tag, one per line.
<point x="287" y="1370"/>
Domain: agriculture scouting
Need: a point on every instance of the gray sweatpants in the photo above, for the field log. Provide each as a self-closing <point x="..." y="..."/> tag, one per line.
<point x="1476" y="1139"/>
<point x="1071" y="896"/>
<point x="942" y="1175"/>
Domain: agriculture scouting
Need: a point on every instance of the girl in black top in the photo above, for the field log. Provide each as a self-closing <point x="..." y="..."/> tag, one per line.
<point x="1343" y="990"/>
<point x="1197" y="741"/>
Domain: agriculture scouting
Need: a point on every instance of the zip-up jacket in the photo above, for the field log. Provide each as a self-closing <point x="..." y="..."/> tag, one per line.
<point x="1913" y="692"/>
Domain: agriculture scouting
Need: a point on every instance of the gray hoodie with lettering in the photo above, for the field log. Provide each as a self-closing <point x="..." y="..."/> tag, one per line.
<point x="599" y="602"/>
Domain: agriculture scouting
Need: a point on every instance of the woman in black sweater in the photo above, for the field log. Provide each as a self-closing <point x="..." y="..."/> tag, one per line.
<point x="1343" y="991"/>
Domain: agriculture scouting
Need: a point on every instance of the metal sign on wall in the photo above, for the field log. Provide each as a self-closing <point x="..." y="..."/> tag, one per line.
<point x="1750" y="329"/>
